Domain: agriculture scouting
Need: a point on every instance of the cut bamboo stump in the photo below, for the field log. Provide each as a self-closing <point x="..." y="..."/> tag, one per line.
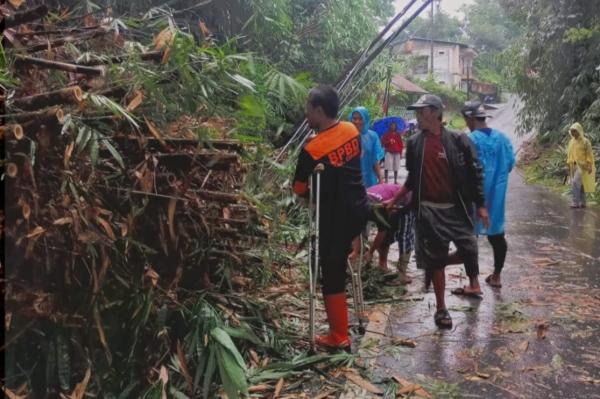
<point x="9" y="132"/>
<point x="25" y="16"/>
<point x="22" y="61"/>
<point x="68" y="95"/>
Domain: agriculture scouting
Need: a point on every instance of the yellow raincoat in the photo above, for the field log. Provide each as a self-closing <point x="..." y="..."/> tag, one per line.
<point x="580" y="154"/>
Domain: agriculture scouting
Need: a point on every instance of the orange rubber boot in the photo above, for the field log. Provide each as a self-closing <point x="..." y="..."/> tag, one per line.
<point x="337" y="316"/>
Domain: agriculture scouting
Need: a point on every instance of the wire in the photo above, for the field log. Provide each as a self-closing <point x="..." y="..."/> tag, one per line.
<point x="360" y="66"/>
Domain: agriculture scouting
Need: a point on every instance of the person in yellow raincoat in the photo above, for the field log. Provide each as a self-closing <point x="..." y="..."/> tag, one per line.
<point x="582" y="168"/>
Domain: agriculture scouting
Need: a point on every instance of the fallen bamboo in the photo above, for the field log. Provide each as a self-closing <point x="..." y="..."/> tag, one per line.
<point x="68" y="95"/>
<point x="153" y="143"/>
<point x="49" y="115"/>
<point x="63" y="40"/>
<point x="25" y="16"/>
<point x="225" y="231"/>
<point x="233" y="222"/>
<point x="57" y="31"/>
<point x="62" y="66"/>
<point x="210" y="160"/>
<point x="147" y="56"/>
<point x="215" y="196"/>
<point x="8" y="132"/>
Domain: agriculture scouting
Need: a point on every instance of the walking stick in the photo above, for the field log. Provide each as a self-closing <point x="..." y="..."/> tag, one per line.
<point x="357" y="288"/>
<point x="314" y="209"/>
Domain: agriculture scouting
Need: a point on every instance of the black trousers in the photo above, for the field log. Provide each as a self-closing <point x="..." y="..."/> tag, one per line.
<point x="500" y="247"/>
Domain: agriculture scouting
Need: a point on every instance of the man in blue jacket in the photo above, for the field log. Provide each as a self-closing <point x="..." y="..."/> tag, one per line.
<point x="497" y="158"/>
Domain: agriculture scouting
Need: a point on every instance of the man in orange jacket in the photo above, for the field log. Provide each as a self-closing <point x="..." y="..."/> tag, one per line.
<point x="343" y="204"/>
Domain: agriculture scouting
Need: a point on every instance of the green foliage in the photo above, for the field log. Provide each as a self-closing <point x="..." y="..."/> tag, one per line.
<point x="488" y="28"/>
<point x="6" y="78"/>
<point x="555" y="69"/>
<point x="453" y="99"/>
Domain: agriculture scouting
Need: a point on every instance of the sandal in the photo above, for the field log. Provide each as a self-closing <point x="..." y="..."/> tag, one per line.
<point x="488" y="280"/>
<point x="462" y="291"/>
<point x="442" y="318"/>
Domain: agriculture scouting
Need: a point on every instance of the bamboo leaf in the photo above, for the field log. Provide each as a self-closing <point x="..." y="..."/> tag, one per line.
<point x="248" y="84"/>
<point x="225" y="340"/>
<point x="183" y="366"/>
<point x="171" y="218"/>
<point x="94" y="151"/>
<point x="208" y="374"/>
<point x="243" y="333"/>
<point x="232" y="375"/>
<point x="107" y="228"/>
<point x="63" y="358"/>
<point x="113" y="151"/>
<point x="105" y="102"/>
<point x="32" y="150"/>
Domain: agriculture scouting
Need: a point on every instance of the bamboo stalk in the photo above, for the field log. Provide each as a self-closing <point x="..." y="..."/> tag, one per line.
<point x="147" y="56"/>
<point x="57" y="31"/>
<point x="49" y="114"/>
<point x="24" y="16"/>
<point x="154" y="143"/>
<point x="211" y="160"/>
<point x="216" y="196"/>
<point x="62" y="66"/>
<point x="68" y="95"/>
<point x="8" y="132"/>
<point x="61" y="41"/>
<point x="225" y="231"/>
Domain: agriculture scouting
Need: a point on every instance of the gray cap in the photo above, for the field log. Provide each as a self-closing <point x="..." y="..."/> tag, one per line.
<point x="427" y="100"/>
<point x="474" y="109"/>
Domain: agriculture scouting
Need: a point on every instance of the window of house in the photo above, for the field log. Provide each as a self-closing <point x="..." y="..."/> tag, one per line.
<point x="441" y="52"/>
<point x="421" y="65"/>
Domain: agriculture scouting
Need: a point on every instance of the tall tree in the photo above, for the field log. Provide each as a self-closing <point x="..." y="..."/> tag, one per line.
<point x="488" y="27"/>
<point x="556" y="69"/>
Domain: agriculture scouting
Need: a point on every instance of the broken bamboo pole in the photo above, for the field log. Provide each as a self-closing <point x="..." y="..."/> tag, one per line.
<point x="216" y="196"/>
<point x="210" y="160"/>
<point x="147" y="56"/>
<point x="153" y="143"/>
<point x="57" y="31"/>
<point x="53" y="114"/>
<point x="68" y="95"/>
<point x="25" y="16"/>
<point x="14" y="131"/>
<point x="62" y="66"/>
<point x="63" y="40"/>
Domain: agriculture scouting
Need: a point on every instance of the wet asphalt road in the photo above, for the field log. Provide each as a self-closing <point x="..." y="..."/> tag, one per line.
<point x="536" y="337"/>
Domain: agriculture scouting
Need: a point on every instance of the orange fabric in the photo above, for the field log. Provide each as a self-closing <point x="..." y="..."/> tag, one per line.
<point x="339" y="143"/>
<point x="300" y="188"/>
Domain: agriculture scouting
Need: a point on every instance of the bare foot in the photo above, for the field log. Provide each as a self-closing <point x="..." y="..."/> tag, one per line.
<point x="494" y="280"/>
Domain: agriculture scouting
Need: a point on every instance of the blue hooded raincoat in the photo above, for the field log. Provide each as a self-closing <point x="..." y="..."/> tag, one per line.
<point x="497" y="159"/>
<point x="372" y="151"/>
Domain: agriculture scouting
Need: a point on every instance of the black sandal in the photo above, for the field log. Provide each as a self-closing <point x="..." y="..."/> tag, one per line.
<point x="442" y="319"/>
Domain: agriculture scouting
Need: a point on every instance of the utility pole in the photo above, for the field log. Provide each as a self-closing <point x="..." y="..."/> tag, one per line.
<point x="431" y="43"/>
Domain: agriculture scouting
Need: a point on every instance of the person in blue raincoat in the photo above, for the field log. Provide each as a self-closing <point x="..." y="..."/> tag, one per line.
<point x="497" y="158"/>
<point x="372" y="150"/>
